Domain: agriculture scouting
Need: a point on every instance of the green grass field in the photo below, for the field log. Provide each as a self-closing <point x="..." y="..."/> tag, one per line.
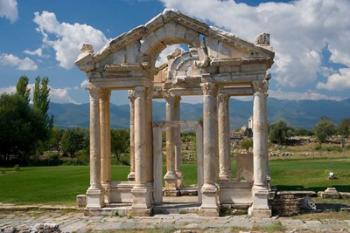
<point x="60" y="185"/>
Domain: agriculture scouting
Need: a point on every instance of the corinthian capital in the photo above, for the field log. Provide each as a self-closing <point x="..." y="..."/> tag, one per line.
<point x="94" y="92"/>
<point x="223" y="97"/>
<point x="105" y="94"/>
<point x="260" y="86"/>
<point x="209" y="89"/>
<point x="169" y="97"/>
<point x="139" y="91"/>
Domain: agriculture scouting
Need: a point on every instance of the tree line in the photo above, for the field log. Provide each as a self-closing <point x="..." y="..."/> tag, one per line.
<point x="28" y="135"/>
<point x="280" y="132"/>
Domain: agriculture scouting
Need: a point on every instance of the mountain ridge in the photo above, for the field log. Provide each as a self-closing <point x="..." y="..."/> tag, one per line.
<point x="298" y="113"/>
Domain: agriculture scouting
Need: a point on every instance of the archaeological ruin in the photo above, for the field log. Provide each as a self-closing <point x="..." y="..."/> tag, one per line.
<point x="217" y="65"/>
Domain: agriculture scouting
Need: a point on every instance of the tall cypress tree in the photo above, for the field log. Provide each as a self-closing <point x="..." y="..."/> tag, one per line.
<point x="41" y="99"/>
<point x="22" y="88"/>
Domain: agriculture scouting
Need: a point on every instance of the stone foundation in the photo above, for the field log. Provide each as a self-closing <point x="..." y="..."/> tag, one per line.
<point x="289" y="203"/>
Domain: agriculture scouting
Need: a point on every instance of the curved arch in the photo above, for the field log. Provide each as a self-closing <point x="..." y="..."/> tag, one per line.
<point x="181" y="65"/>
<point x="171" y="33"/>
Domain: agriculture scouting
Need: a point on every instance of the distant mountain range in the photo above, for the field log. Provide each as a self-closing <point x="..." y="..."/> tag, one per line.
<point x="302" y="113"/>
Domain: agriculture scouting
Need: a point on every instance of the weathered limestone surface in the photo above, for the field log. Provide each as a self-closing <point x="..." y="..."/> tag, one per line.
<point x="218" y="65"/>
<point x="131" y="175"/>
<point x="94" y="193"/>
<point x="210" y="150"/>
<point x="224" y="137"/>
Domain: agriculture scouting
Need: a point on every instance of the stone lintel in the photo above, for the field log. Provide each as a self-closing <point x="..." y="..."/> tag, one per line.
<point x="121" y="83"/>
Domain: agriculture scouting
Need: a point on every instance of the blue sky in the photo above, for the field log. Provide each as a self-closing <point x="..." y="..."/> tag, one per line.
<point x="41" y="38"/>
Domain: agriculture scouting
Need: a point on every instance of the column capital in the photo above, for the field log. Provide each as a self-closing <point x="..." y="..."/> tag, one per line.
<point x="169" y="97"/>
<point x="138" y="91"/>
<point x="260" y="86"/>
<point x="94" y="92"/>
<point x="223" y="97"/>
<point x="209" y="89"/>
<point x="105" y="94"/>
<point x="131" y="95"/>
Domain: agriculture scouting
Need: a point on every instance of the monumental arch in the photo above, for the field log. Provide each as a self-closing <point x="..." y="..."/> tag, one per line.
<point x="218" y="65"/>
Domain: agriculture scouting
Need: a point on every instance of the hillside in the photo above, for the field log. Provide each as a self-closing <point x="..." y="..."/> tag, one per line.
<point x="297" y="113"/>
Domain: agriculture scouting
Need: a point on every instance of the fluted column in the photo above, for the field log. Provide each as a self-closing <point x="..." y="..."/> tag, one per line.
<point x="210" y="150"/>
<point x="170" y="176"/>
<point x="105" y="140"/>
<point x="131" y="175"/>
<point x="260" y="205"/>
<point x="94" y="193"/>
<point x="177" y="131"/>
<point x="142" y="190"/>
<point x="224" y="137"/>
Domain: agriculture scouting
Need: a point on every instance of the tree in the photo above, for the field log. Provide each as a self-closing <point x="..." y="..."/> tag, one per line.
<point x="279" y="132"/>
<point x="120" y="143"/>
<point x="73" y="140"/>
<point x="41" y="100"/>
<point x="324" y="129"/>
<point x="54" y="142"/>
<point x="246" y="143"/>
<point x="22" y="88"/>
<point x="344" y="130"/>
<point x="21" y="129"/>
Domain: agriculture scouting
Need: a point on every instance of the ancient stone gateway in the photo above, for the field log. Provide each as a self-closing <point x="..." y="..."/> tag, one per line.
<point x="218" y="65"/>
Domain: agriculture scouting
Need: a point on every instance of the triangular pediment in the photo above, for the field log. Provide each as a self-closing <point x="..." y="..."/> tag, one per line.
<point x="169" y="16"/>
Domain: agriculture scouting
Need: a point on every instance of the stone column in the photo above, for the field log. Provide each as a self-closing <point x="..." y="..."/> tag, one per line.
<point x="131" y="175"/>
<point x="177" y="131"/>
<point x="260" y="192"/>
<point x="105" y="140"/>
<point x="199" y="150"/>
<point x="142" y="190"/>
<point x="210" y="151"/>
<point x="224" y="137"/>
<point x="94" y="199"/>
<point x="157" y="165"/>
<point x="170" y="176"/>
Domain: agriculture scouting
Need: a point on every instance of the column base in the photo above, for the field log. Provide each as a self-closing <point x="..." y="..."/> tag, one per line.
<point x="94" y="198"/>
<point x="142" y="200"/>
<point x="179" y="179"/>
<point x="131" y="176"/>
<point x="224" y="177"/>
<point x="209" y="205"/>
<point x="170" y="181"/>
<point x="260" y="207"/>
<point x="106" y="193"/>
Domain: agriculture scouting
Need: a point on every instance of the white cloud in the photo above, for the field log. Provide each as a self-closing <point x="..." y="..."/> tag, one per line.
<point x="65" y="38"/>
<point x="8" y="90"/>
<point x="57" y="95"/>
<point x="337" y="81"/>
<point x="84" y="84"/>
<point x="307" y="95"/>
<point x="38" y="52"/>
<point x="162" y="57"/>
<point x="61" y="95"/>
<point x="8" y="9"/>
<point x="25" y="64"/>
<point x="299" y="31"/>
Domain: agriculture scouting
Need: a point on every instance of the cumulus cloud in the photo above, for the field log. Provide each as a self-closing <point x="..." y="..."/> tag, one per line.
<point x="299" y="29"/>
<point x="65" y="38"/>
<point x="25" y="64"/>
<point x="57" y="95"/>
<point x="162" y="57"/>
<point x="38" y="52"/>
<point x="337" y="81"/>
<point x="8" y="9"/>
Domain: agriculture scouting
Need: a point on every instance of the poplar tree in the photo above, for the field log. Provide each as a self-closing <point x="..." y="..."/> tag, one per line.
<point x="22" y="88"/>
